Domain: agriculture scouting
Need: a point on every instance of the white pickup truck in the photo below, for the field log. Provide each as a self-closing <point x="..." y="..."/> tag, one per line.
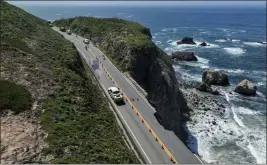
<point x="115" y="94"/>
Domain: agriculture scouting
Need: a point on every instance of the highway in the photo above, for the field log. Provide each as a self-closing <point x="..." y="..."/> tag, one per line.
<point x="154" y="143"/>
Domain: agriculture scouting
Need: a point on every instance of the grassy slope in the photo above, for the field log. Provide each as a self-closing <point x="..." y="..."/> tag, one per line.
<point x="132" y="35"/>
<point x="80" y="126"/>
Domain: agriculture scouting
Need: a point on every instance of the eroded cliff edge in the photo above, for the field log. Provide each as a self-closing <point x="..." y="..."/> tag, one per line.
<point x="130" y="48"/>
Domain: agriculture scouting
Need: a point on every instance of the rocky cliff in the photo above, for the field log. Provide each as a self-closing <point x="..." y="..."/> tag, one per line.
<point x="129" y="46"/>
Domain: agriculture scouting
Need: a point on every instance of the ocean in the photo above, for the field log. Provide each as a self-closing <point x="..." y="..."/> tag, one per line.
<point x="233" y="34"/>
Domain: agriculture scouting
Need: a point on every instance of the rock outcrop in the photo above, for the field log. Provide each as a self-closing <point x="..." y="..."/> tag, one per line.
<point x="184" y="56"/>
<point x="186" y="40"/>
<point x="130" y="46"/>
<point x="204" y="87"/>
<point x="246" y="87"/>
<point x="204" y="44"/>
<point x="213" y="77"/>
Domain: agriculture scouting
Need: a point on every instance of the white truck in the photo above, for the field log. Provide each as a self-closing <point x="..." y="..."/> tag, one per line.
<point x="115" y="94"/>
<point x="86" y="41"/>
<point x="68" y="32"/>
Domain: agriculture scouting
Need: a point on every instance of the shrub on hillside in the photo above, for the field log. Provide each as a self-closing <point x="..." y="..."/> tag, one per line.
<point x="13" y="96"/>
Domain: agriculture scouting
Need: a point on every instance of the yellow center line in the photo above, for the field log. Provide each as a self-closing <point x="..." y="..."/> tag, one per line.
<point x="136" y="110"/>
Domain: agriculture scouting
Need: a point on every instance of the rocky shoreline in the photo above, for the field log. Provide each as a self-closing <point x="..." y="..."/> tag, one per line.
<point x="205" y="105"/>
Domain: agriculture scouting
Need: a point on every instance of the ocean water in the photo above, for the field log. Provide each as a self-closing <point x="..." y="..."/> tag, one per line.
<point x="232" y="34"/>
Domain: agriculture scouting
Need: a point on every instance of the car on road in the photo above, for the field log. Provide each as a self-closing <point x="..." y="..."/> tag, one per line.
<point x="68" y="32"/>
<point x="50" y="23"/>
<point x="86" y="41"/>
<point x="115" y="94"/>
<point x="63" y="29"/>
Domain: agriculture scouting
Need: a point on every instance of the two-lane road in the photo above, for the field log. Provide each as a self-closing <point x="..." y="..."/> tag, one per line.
<point x="147" y="145"/>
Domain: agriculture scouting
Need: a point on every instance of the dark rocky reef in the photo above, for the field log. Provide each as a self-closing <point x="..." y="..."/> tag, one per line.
<point x="184" y="56"/>
<point x="213" y="77"/>
<point x="204" y="87"/>
<point x="204" y="44"/>
<point x="261" y="42"/>
<point x="186" y="40"/>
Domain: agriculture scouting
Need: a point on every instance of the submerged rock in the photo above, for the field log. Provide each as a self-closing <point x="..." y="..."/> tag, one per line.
<point x="246" y="87"/>
<point x="186" y="40"/>
<point x="213" y="77"/>
<point x="204" y="44"/>
<point x="184" y="56"/>
<point x="204" y="87"/>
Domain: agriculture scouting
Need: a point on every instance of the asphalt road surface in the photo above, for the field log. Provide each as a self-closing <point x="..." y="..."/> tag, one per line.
<point x="146" y="144"/>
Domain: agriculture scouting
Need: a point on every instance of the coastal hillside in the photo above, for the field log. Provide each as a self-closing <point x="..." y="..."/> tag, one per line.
<point x="52" y="111"/>
<point x="129" y="46"/>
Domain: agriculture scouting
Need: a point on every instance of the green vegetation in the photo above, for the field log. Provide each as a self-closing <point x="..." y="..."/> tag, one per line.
<point x="132" y="33"/>
<point x="13" y="96"/>
<point x="126" y="43"/>
<point x="81" y="128"/>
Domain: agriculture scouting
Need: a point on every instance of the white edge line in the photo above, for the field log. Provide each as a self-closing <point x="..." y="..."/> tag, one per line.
<point x="123" y="119"/>
<point x="199" y="159"/>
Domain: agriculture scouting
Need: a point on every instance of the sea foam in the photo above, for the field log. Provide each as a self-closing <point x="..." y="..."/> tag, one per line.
<point x="235" y="51"/>
<point x="220" y="40"/>
<point x="254" y="44"/>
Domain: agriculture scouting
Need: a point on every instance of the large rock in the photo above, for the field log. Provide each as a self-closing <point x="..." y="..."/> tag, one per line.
<point x="204" y="87"/>
<point x="186" y="40"/>
<point x="246" y="87"/>
<point x="204" y="44"/>
<point x="213" y="77"/>
<point x="184" y="56"/>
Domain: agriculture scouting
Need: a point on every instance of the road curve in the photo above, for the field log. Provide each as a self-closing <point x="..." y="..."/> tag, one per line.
<point x="159" y="151"/>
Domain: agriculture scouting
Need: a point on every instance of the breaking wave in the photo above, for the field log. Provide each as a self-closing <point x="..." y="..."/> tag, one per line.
<point x="235" y="51"/>
<point x="254" y="44"/>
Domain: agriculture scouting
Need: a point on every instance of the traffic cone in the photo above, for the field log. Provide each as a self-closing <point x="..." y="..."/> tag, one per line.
<point x="162" y="146"/>
<point x="172" y="160"/>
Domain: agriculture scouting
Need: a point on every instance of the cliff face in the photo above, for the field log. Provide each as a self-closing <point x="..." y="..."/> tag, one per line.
<point x="130" y="47"/>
